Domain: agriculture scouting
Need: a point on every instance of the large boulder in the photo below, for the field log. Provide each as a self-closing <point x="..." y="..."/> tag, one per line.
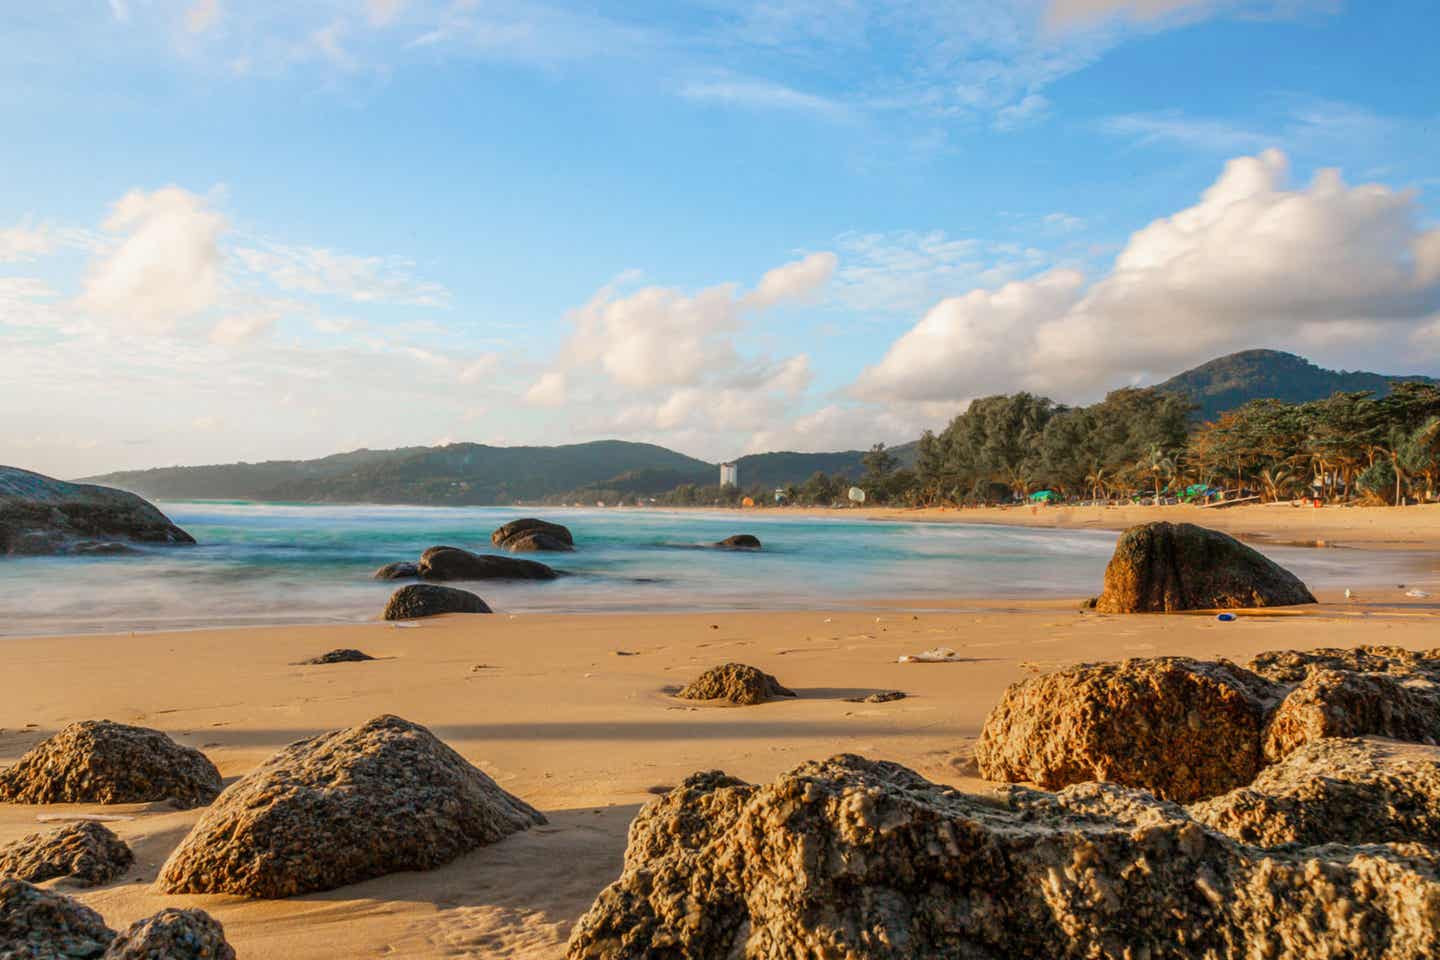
<point x="1292" y="666"/>
<point x="42" y="515"/>
<point x="87" y="854"/>
<point x="1344" y="703"/>
<point x="1182" y="729"/>
<point x="737" y="683"/>
<point x="739" y="541"/>
<point x="452" y="563"/>
<point x="38" y="924"/>
<point x="417" y="600"/>
<point x="403" y="570"/>
<point x="867" y="860"/>
<point x="1166" y="566"/>
<point x="530" y="534"/>
<point x="172" y="934"/>
<point x="99" y="761"/>
<point x="1336" y="791"/>
<point x="342" y="807"/>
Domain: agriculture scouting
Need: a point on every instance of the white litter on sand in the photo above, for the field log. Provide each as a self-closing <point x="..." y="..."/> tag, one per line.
<point x="1417" y="593"/>
<point x="933" y="655"/>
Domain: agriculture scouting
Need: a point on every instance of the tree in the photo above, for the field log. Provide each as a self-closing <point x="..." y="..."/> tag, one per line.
<point x="879" y="463"/>
<point x="1155" y="462"/>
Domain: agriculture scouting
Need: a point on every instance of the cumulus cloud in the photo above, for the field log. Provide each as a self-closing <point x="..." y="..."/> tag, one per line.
<point x="26" y="241"/>
<point x="797" y="281"/>
<point x="166" y="265"/>
<point x="238" y="328"/>
<point x="1254" y="262"/>
<point x="550" y="390"/>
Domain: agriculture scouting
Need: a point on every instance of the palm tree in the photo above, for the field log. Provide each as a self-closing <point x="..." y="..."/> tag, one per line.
<point x="1276" y="479"/>
<point x="1157" y="463"/>
<point x="1098" y="480"/>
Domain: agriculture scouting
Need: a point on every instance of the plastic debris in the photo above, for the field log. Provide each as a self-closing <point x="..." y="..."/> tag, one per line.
<point x="1225" y="617"/>
<point x="933" y="655"/>
<point x="1417" y="593"/>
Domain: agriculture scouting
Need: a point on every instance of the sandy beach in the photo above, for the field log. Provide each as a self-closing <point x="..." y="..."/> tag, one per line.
<point x="571" y="713"/>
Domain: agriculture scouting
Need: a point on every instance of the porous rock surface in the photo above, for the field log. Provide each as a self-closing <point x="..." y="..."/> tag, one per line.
<point x="740" y="541"/>
<point x="452" y="563"/>
<point x="865" y="860"/>
<point x="1343" y="703"/>
<point x="87" y="854"/>
<point x="1163" y="566"/>
<point x="37" y="924"/>
<point x="172" y="934"/>
<point x="42" y="515"/>
<point x="1292" y="666"/>
<point x="416" y="600"/>
<point x="403" y="570"/>
<point x="1182" y="729"/>
<point x="529" y="534"/>
<point x="1336" y="791"/>
<point x="738" y="683"/>
<point x="343" y="655"/>
<point x="342" y="807"/>
<point x="99" y="761"/>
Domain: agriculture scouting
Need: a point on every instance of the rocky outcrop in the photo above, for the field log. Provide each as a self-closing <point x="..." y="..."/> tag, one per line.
<point x="342" y="807"/>
<point x="38" y="924"/>
<point x="41" y="515"/>
<point x="740" y="541"/>
<point x="172" y="934"/>
<point x="1343" y="703"/>
<point x="1182" y="729"/>
<point x="404" y="570"/>
<point x="418" y="600"/>
<point x="737" y="683"/>
<point x="869" y="861"/>
<point x="344" y="655"/>
<point x="1161" y="566"/>
<point x="530" y="534"/>
<point x="87" y="854"/>
<point x="98" y="761"/>
<point x="1336" y="791"/>
<point x="1292" y="666"/>
<point x="452" y="563"/>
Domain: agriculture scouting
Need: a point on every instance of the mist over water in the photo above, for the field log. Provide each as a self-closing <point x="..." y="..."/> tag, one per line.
<point x="270" y="564"/>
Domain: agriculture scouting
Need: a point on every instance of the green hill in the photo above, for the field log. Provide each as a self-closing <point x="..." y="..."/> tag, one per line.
<point x="1231" y="381"/>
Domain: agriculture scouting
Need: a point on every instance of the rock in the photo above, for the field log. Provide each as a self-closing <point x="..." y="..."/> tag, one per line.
<point x="1341" y="703"/>
<point x="41" y="515"/>
<point x="736" y="682"/>
<point x="880" y="696"/>
<point x="452" y="563"/>
<point x="172" y="934"/>
<point x="96" y="548"/>
<point x="343" y="807"/>
<point x="1336" y="791"/>
<point x="98" y="761"/>
<point x="427" y="600"/>
<point x="1292" y="666"/>
<point x="1182" y="729"/>
<point x="396" y="571"/>
<point x="345" y="655"/>
<point x="864" y="860"/>
<point x="38" y="924"/>
<point x="740" y="541"/>
<point x="532" y="534"/>
<point x="1165" y="566"/>
<point x="85" y="853"/>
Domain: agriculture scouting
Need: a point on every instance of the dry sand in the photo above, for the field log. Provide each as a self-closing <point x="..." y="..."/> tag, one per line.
<point x="570" y="713"/>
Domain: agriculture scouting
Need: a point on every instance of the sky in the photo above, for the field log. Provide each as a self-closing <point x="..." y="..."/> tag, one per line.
<point x="269" y="230"/>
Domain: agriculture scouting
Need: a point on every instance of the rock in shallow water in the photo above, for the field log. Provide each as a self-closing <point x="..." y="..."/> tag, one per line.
<point x="428" y="600"/>
<point x="396" y="571"/>
<point x="531" y="534"/>
<point x="99" y="761"/>
<point x="867" y="860"/>
<point x="1164" y="566"/>
<point x="452" y="563"/>
<point x="740" y="541"/>
<point x="87" y="854"/>
<point x="738" y="683"/>
<point x="41" y="515"/>
<point x="342" y="807"/>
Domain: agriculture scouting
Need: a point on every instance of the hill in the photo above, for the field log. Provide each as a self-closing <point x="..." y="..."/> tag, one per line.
<point x="1231" y="381"/>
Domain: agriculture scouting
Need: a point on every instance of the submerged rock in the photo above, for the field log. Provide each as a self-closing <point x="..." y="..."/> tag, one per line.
<point x="452" y="563"/>
<point x="403" y="570"/>
<point x="740" y="541"/>
<point x="99" y="761"/>
<point x="172" y="934"/>
<point x="42" y="515"/>
<point x="1342" y="703"/>
<point x="1164" y="566"/>
<point x="342" y="807"/>
<point x="529" y="534"/>
<point x="1182" y="729"/>
<point x="86" y="853"/>
<point x="867" y="860"/>
<point x="418" y="600"/>
<point x="344" y="655"/>
<point x="738" y="683"/>
<point x="38" y="924"/>
<point x="1336" y="791"/>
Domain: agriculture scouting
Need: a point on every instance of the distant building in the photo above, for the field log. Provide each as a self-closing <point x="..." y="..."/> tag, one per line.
<point x="730" y="475"/>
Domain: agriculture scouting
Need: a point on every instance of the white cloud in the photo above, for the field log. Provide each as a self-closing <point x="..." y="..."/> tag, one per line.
<point x="906" y="271"/>
<point x="364" y="279"/>
<point x="1070" y="12"/>
<point x="26" y="241"/>
<point x="165" y="268"/>
<point x="1327" y="267"/>
<point x="797" y="281"/>
<point x="381" y="13"/>
<point x="202" y="15"/>
<point x="1025" y="111"/>
<point x="480" y="369"/>
<point x="550" y="390"/>
<point x="763" y="94"/>
<point x="238" y="328"/>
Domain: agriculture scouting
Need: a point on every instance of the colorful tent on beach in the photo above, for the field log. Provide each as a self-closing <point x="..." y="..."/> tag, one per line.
<point x="1044" y="496"/>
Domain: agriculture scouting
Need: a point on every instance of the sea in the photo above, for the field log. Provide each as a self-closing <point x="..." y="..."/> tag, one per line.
<point x="301" y="564"/>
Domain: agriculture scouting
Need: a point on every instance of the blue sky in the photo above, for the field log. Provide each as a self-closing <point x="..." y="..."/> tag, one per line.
<point x="244" y="231"/>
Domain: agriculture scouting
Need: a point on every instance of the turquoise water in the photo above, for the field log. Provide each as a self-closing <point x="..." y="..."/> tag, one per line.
<point x="262" y="563"/>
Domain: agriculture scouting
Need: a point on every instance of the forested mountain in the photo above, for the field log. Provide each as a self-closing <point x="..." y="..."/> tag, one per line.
<point x="1229" y="382"/>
